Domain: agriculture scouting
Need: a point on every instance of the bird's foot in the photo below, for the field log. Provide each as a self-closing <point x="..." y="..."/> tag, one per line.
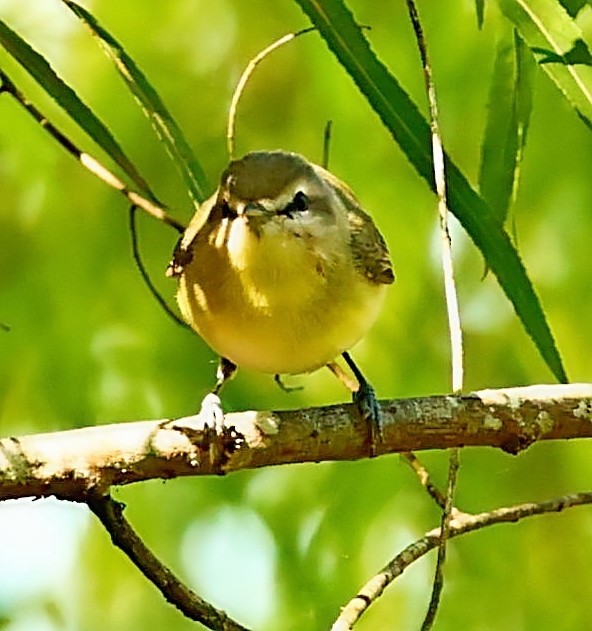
<point x="208" y="421"/>
<point x="211" y="413"/>
<point x="208" y="431"/>
<point x="366" y="402"/>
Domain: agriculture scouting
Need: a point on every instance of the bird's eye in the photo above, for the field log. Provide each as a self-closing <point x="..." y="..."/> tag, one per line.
<point x="300" y="202"/>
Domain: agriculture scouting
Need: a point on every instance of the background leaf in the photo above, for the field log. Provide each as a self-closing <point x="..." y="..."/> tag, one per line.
<point x="154" y="108"/>
<point x="559" y="47"/>
<point x="480" y="9"/>
<point x="411" y="131"/>
<point x="509" y="109"/>
<point x="69" y="101"/>
<point x="573" y="7"/>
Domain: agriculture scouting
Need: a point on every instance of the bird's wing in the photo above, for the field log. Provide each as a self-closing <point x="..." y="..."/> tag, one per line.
<point x="371" y="256"/>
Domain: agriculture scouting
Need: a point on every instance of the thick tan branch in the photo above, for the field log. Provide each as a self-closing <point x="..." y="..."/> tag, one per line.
<point x="71" y="463"/>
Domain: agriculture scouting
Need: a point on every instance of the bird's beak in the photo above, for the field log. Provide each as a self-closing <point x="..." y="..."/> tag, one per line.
<point x="249" y="210"/>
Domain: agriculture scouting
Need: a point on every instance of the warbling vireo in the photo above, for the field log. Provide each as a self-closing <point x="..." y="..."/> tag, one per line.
<point x="280" y="270"/>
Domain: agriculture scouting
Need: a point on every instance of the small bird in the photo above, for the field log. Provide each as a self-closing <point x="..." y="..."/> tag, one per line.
<point x="281" y="271"/>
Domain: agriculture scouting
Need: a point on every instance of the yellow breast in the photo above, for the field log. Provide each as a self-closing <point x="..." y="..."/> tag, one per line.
<point x="276" y="301"/>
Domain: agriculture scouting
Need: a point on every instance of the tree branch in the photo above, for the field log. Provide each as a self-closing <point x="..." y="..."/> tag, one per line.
<point x="424" y="478"/>
<point x="110" y="513"/>
<point x="460" y="524"/>
<point x="151" y="207"/>
<point x="71" y="464"/>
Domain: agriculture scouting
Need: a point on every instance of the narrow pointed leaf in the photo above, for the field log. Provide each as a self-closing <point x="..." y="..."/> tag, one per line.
<point x="573" y="7"/>
<point x="559" y="47"/>
<point x="411" y="131"/>
<point x="510" y="105"/>
<point x="38" y="67"/>
<point x="156" y="111"/>
<point x="480" y="9"/>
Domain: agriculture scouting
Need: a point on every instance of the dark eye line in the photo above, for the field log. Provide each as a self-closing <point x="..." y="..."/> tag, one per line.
<point x="299" y="203"/>
<point x="226" y="210"/>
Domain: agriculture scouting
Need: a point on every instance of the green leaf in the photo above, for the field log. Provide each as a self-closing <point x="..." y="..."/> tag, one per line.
<point x="480" y="9"/>
<point x="36" y="65"/>
<point x="573" y="7"/>
<point x="411" y="131"/>
<point x="510" y="105"/>
<point x="559" y="47"/>
<point x="160" y="118"/>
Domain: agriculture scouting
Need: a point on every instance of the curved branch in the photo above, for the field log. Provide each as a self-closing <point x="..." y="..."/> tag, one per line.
<point x="71" y="464"/>
<point x="460" y="524"/>
<point x="152" y="207"/>
<point x="110" y="513"/>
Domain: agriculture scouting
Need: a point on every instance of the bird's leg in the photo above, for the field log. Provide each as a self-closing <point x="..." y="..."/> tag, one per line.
<point x="364" y="398"/>
<point x="225" y="372"/>
<point x="209" y="423"/>
<point x="211" y="406"/>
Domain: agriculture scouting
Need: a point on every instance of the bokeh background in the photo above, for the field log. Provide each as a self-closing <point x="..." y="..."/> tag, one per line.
<point x="282" y="548"/>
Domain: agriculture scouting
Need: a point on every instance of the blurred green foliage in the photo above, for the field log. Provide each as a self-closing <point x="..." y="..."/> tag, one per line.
<point x="285" y="547"/>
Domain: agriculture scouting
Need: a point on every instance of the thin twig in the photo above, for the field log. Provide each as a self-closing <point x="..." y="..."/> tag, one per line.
<point x="327" y="144"/>
<point x="350" y="384"/>
<point x="144" y="272"/>
<point x="445" y="521"/>
<point x="464" y="524"/>
<point x="424" y="478"/>
<point x="240" y="87"/>
<point x="110" y="513"/>
<point x="440" y="179"/>
<point x="155" y="209"/>
<point x="451" y="303"/>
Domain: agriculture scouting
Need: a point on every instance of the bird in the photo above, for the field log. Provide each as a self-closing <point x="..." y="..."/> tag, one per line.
<point x="281" y="271"/>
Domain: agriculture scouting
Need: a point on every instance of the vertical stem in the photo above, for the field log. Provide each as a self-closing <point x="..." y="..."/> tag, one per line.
<point x="454" y="324"/>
